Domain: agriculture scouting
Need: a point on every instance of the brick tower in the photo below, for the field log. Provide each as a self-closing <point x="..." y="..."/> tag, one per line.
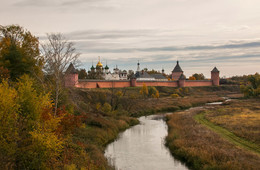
<point x="215" y="76"/>
<point x="177" y="72"/>
<point x="71" y="76"/>
<point x="181" y="81"/>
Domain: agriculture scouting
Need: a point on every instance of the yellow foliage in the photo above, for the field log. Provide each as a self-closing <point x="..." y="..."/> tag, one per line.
<point x="175" y="95"/>
<point x="119" y="93"/>
<point x="144" y="90"/>
<point x="192" y="78"/>
<point x="98" y="106"/>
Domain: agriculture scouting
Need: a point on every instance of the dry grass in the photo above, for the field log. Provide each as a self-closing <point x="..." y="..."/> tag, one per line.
<point x="242" y="117"/>
<point x="202" y="148"/>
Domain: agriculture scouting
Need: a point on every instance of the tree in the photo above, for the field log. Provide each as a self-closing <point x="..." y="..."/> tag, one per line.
<point x="82" y="74"/>
<point x="192" y="78"/>
<point x="253" y="86"/>
<point x="58" y="53"/>
<point x="144" y="90"/>
<point x="28" y="138"/>
<point x="199" y="76"/>
<point x="4" y="73"/>
<point x="153" y="72"/>
<point x="19" y="52"/>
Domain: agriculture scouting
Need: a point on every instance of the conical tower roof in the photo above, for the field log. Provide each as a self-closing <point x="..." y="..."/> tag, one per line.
<point x="177" y="68"/>
<point x="71" y="69"/>
<point x="215" y="69"/>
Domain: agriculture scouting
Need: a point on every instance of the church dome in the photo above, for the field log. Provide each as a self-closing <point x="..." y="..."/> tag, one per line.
<point x="99" y="64"/>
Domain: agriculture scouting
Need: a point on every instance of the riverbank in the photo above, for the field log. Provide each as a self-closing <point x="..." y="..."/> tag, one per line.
<point x="110" y="111"/>
<point x="217" y="137"/>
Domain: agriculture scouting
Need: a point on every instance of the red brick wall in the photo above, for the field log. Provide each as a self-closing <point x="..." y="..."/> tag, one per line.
<point x="120" y="84"/>
<point x="103" y="84"/>
<point x="157" y="83"/>
<point x="193" y="83"/>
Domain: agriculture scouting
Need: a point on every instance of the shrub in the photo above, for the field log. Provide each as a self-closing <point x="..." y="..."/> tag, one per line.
<point x="175" y="95"/>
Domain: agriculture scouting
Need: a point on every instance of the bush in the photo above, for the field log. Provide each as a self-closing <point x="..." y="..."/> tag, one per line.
<point x="175" y="95"/>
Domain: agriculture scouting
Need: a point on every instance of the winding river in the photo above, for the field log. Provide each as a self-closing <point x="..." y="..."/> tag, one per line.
<point x="142" y="147"/>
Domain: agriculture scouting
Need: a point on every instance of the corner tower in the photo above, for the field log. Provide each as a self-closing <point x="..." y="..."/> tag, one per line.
<point x="71" y="76"/>
<point x="215" y="76"/>
<point x="177" y="72"/>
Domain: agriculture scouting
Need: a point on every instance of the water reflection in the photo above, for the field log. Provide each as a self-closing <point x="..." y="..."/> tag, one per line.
<point x="142" y="147"/>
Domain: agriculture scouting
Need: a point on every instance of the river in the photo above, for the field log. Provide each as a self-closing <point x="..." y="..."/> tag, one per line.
<point x="142" y="147"/>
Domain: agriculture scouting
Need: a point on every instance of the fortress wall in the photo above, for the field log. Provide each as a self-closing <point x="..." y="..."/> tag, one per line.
<point x="102" y="84"/>
<point x="157" y="83"/>
<point x="193" y="83"/>
<point x="126" y="83"/>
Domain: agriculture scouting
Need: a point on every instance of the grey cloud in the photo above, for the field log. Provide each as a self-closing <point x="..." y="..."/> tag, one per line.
<point x="110" y="34"/>
<point x="176" y="48"/>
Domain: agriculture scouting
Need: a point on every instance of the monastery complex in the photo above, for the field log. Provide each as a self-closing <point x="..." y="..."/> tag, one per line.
<point x="119" y="79"/>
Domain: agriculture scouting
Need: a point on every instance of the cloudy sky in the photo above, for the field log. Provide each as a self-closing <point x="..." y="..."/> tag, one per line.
<point x="200" y="34"/>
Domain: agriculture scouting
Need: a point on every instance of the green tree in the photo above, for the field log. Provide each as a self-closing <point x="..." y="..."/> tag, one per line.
<point x="82" y="74"/>
<point x="19" y="52"/>
<point x="253" y="86"/>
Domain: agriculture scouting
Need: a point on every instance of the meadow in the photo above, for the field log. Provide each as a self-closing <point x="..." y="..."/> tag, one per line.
<point x="217" y="137"/>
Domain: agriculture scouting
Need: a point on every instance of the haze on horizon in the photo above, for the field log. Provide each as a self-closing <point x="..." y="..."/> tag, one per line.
<point x="200" y="34"/>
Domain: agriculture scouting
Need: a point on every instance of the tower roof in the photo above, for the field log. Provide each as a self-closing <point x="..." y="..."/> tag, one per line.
<point x="215" y="69"/>
<point x="182" y="77"/>
<point x="106" y="67"/>
<point x="177" y="68"/>
<point x="71" y="69"/>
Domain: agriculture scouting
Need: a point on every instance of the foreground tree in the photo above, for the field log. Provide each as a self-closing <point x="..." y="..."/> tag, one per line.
<point x="19" y="52"/>
<point x="28" y="138"/>
<point x="58" y="53"/>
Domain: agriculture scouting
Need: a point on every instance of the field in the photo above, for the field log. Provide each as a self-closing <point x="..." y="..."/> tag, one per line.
<point x="217" y="137"/>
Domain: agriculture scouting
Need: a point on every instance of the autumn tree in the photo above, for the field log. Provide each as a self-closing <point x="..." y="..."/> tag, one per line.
<point x="192" y="78"/>
<point x="153" y="92"/>
<point x="144" y="90"/>
<point x="253" y="86"/>
<point x="199" y="76"/>
<point x="19" y="52"/>
<point x="58" y="53"/>
<point x="27" y="132"/>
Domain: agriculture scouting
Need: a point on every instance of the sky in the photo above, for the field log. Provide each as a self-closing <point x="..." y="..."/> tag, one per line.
<point x="201" y="34"/>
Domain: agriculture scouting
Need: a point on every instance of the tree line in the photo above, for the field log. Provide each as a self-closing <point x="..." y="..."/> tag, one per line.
<point x="33" y="131"/>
